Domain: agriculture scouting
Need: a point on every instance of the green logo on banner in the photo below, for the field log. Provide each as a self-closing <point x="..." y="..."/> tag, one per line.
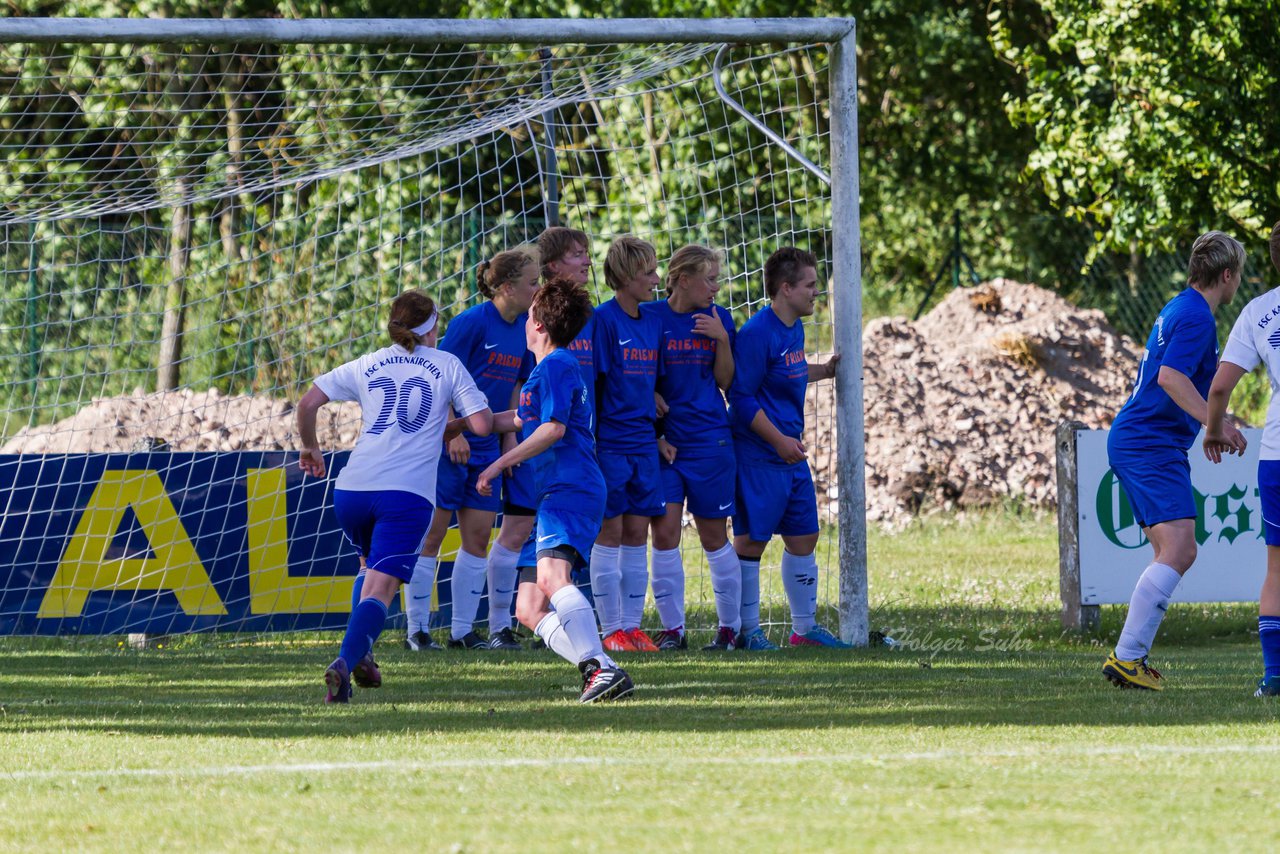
<point x="1115" y="515"/>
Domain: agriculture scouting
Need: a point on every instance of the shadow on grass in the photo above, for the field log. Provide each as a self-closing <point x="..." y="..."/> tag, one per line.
<point x="276" y="693"/>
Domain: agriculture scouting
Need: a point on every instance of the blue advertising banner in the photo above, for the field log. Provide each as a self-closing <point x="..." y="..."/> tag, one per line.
<point x="162" y="543"/>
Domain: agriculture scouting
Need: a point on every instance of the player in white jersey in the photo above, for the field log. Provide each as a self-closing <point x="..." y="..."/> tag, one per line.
<point x="384" y="496"/>
<point x="1254" y="341"/>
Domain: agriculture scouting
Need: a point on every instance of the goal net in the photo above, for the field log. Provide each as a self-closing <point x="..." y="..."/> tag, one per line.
<point x="191" y="232"/>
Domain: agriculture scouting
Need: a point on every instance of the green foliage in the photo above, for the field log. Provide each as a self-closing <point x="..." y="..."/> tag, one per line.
<point x="1153" y="121"/>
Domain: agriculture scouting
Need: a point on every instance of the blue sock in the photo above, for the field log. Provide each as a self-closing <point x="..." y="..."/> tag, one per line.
<point x="356" y="588"/>
<point x="1269" y="635"/>
<point x="363" y="629"/>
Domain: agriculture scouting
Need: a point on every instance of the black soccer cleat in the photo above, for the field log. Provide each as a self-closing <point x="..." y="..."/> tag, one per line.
<point x="504" y="639"/>
<point x="421" y="641"/>
<point x="670" y="640"/>
<point x="470" y="640"/>
<point x="366" y="674"/>
<point x="603" y="684"/>
<point x="726" y="640"/>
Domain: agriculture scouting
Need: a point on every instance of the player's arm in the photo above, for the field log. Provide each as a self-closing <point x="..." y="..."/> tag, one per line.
<point x="543" y="437"/>
<point x="1221" y="437"/>
<point x="466" y="398"/>
<point x="825" y="370"/>
<point x="310" y="459"/>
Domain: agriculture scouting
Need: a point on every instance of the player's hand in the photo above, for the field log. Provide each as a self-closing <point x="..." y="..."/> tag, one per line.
<point x="711" y="326"/>
<point x="459" y="450"/>
<point x="667" y="450"/>
<point x="311" y="461"/>
<point x="791" y="450"/>
<point x="829" y="369"/>
<point x="661" y="405"/>
<point x="484" y="484"/>
<point x="1225" y="440"/>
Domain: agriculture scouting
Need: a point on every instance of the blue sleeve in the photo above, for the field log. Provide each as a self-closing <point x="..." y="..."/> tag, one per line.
<point x="602" y="339"/>
<point x="556" y="402"/>
<point x="751" y="361"/>
<point x="727" y="319"/>
<point x="1188" y="344"/>
<point x="460" y="338"/>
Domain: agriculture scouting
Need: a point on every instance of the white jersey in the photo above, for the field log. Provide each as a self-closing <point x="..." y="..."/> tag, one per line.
<point x="404" y="404"/>
<point x="1255" y="340"/>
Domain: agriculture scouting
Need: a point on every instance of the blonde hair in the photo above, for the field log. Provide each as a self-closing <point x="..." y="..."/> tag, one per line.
<point x="504" y="267"/>
<point x="628" y="257"/>
<point x="1212" y="254"/>
<point x="691" y="260"/>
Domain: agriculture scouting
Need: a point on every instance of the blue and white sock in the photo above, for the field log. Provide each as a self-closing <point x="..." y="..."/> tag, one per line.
<point x="556" y="638"/>
<point x="579" y="624"/>
<point x="668" y="588"/>
<point x="1269" y="636"/>
<point x="363" y="629"/>
<point x="606" y="587"/>
<point x="501" y="575"/>
<point x="726" y="584"/>
<point x="633" y="565"/>
<point x="416" y="595"/>
<point x="1146" y="609"/>
<point x="467" y="586"/>
<point x="800" y="580"/>
<point x="750" y="593"/>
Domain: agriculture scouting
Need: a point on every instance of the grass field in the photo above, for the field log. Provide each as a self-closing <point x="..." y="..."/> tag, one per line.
<point x="988" y="729"/>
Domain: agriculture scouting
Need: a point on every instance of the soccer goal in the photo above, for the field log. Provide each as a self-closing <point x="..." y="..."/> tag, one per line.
<point x="200" y="216"/>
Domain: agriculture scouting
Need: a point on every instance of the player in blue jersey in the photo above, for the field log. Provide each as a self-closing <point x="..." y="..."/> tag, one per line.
<point x="489" y="340"/>
<point x="1253" y="342"/>
<point x="1148" y="442"/>
<point x="775" y="493"/>
<point x="566" y="254"/>
<point x="696" y="448"/>
<point x="559" y="450"/>
<point x="383" y="497"/>
<point x="626" y="365"/>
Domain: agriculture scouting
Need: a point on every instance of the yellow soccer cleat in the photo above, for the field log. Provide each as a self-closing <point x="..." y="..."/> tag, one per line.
<point x="1132" y="674"/>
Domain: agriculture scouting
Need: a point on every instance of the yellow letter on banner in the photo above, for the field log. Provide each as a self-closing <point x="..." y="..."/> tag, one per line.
<point x="271" y="589"/>
<point x="85" y="566"/>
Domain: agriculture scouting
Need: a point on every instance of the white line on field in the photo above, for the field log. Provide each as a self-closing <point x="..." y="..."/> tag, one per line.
<point x="406" y="765"/>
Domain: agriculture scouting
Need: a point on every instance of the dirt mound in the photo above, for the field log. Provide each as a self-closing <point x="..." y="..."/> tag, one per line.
<point x="961" y="406"/>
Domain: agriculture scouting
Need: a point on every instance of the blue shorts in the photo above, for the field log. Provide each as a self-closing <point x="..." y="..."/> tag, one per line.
<point x="387" y="527"/>
<point x="775" y="500"/>
<point x="557" y="528"/>
<point x="706" y="477"/>
<point x="518" y="490"/>
<point x="456" y="486"/>
<point x="1269" y="492"/>
<point x="1159" y="489"/>
<point x="632" y="484"/>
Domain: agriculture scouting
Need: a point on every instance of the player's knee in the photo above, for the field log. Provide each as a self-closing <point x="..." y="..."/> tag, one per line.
<point x="528" y="613"/>
<point x="712" y="541"/>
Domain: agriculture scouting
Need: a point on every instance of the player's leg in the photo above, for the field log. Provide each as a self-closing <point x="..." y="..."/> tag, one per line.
<point x="602" y="679"/>
<point x="709" y="480"/>
<point x="1269" y="598"/>
<point x="668" y="577"/>
<point x="1160" y="493"/>
<point x="475" y="526"/>
<point x="799" y="530"/>
<point x="644" y="503"/>
<point x="606" y="574"/>
<point x="501" y="567"/>
<point x="633" y="565"/>
<point x="450" y="482"/>
<point x="760" y="503"/>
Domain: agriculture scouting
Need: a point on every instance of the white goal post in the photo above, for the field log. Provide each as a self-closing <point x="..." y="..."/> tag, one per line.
<point x="28" y="216"/>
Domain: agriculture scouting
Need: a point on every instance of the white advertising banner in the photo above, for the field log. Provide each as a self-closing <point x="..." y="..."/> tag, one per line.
<point x="1232" y="558"/>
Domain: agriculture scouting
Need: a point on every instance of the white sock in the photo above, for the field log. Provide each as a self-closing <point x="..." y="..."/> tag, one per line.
<point x="633" y="563"/>
<point x="668" y="588"/>
<point x="726" y="584"/>
<point x="606" y="587"/>
<point x="800" y="580"/>
<point x="467" y="585"/>
<point x="750" y="593"/>
<point x="501" y="575"/>
<point x="1146" y="610"/>
<point x="417" y="595"/>
<point x="556" y="638"/>
<point x="579" y="624"/>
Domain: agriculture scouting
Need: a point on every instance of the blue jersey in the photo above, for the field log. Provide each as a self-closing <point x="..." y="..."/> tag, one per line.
<point x="686" y="377"/>
<point x="495" y="353"/>
<point x="626" y="353"/>
<point x="770" y="374"/>
<point x="1185" y="339"/>
<point x="565" y="475"/>
<point x="582" y="349"/>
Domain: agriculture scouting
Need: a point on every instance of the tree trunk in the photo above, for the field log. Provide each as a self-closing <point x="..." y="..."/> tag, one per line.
<point x="168" y="366"/>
